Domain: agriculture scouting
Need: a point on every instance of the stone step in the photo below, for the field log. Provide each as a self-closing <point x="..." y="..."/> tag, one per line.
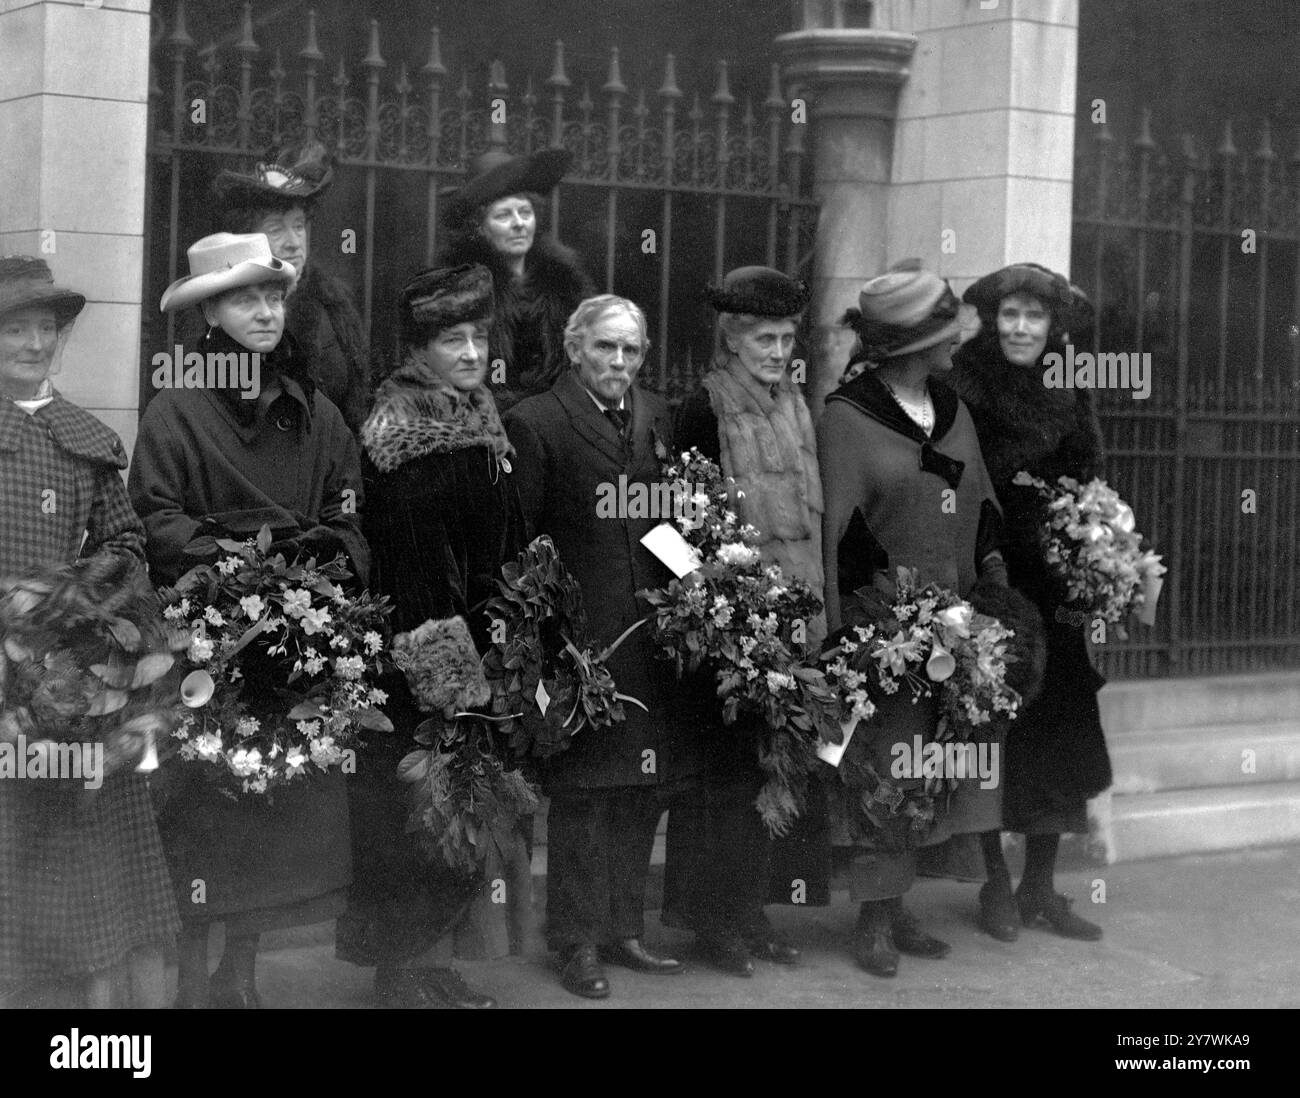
<point x="1142" y="705"/>
<point x="1206" y="755"/>
<point x="1159" y="825"/>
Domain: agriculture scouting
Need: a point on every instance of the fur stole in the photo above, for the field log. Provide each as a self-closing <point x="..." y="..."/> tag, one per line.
<point x="1021" y="423"/>
<point x="319" y="292"/>
<point x="416" y="414"/>
<point x="442" y="666"/>
<point x="768" y="447"/>
<point x="529" y="314"/>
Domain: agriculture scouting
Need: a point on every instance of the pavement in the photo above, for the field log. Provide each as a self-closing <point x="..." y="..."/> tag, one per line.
<point x="1216" y="930"/>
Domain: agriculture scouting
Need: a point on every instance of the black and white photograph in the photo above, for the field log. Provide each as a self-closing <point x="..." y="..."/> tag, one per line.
<point x="651" y="504"/>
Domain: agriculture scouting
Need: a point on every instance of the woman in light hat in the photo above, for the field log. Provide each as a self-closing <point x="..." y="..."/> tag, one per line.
<point x="493" y="219"/>
<point x="1056" y="755"/>
<point x="278" y="197"/>
<point x="750" y="417"/>
<point x="905" y="486"/>
<point x="210" y="462"/>
<point x="86" y="907"/>
<point x="443" y="517"/>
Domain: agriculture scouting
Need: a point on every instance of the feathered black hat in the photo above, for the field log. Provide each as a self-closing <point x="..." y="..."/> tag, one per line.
<point x="440" y="297"/>
<point x="759" y="291"/>
<point x="496" y="174"/>
<point x="292" y="175"/>
<point x="1052" y="289"/>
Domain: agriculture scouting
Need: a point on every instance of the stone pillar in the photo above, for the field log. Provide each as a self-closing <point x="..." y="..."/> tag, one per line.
<point x="984" y="143"/>
<point x="850" y="81"/>
<point x="74" y="81"/>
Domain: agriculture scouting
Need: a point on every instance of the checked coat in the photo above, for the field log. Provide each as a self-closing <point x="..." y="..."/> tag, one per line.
<point x="83" y="880"/>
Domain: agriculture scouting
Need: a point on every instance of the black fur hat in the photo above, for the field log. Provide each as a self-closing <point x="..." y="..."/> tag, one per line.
<point x="759" y="291"/>
<point x="440" y="297"/>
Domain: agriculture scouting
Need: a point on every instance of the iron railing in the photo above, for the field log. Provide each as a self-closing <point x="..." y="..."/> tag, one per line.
<point x="1194" y="256"/>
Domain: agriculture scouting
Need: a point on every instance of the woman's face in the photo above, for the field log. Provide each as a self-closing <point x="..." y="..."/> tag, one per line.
<point x="764" y="350"/>
<point x="1023" y="323"/>
<point x="289" y="233"/>
<point x="253" y="316"/>
<point x="510" y="225"/>
<point x="459" y="355"/>
<point x="28" y="338"/>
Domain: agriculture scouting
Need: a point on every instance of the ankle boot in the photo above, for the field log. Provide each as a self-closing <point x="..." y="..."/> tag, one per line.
<point x="999" y="916"/>
<point x="873" y="947"/>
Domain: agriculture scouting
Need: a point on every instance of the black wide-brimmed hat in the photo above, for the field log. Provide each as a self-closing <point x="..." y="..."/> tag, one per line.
<point x="1052" y="289"/>
<point x="496" y="174"/>
<point x="292" y="175"/>
<point x="759" y="291"/>
<point x="441" y="297"/>
<point x="26" y="281"/>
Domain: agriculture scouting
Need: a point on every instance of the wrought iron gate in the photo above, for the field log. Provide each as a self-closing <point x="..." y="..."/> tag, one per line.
<point x="1195" y="258"/>
<point x="719" y="186"/>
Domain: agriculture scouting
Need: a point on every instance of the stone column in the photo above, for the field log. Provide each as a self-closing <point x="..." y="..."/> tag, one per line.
<point x="984" y="143"/>
<point x="850" y="81"/>
<point x="74" y="81"/>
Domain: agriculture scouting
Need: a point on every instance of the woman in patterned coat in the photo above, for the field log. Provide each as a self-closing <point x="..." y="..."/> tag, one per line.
<point x="85" y="904"/>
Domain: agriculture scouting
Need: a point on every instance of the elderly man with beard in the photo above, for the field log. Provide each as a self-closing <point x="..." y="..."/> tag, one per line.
<point x="609" y="788"/>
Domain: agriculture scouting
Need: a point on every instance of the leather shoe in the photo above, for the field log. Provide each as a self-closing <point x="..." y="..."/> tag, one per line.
<point x="874" y="951"/>
<point x="727" y="952"/>
<point x="234" y="997"/>
<point x="630" y="953"/>
<point x="768" y="945"/>
<point x="999" y="916"/>
<point x="583" y="974"/>
<point x="909" y="938"/>
<point x="427" y="989"/>
<point x="1055" y="909"/>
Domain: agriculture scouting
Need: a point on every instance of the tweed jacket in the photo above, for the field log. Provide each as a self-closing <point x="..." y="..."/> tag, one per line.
<point x="566" y="451"/>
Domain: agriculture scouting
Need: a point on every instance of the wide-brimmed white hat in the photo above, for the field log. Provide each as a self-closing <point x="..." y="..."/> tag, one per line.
<point x="223" y="261"/>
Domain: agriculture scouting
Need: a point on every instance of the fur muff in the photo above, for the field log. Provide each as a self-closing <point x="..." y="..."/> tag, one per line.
<point x="442" y="666"/>
<point x="529" y="315"/>
<point x="1028" y="648"/>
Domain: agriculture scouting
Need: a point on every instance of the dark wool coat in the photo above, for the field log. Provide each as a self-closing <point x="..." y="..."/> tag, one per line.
<point x="439" y="528"/>
<point x="79" y="888"/>
<point x="322" y="317"/>
<point x="529" y="315"/>
<point x="1056" y="753"/>
<point x="566" y="450"/>
<point x="204" y="453"/>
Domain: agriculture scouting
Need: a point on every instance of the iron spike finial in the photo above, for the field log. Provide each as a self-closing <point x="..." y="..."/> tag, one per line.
<point x="180" y="36"/>
<point x="497" y="76"/>
<point x="670" y="90"/>
<point x="1144" y="140"/>
<point x="372" y="59"/>
<point x="614" y="85"/>
<point x="311" y="51"/>
<point x="1226" y="147"/>
<point x="434" y="66"/>
<point x="558" y="78"/>
<point x="246" y="43"/>
<point x="722" y="96"/>
<point x="774" y="102"/>
<point x="1265" y="150"/>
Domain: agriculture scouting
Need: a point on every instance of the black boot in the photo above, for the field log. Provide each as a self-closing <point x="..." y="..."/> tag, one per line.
<point x="873" y="946"/>
<point x="908" y="935"/>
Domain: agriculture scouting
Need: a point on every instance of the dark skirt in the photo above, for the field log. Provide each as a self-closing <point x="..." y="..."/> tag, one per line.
<point x="257" y="863"/>
<point x="83" y="881"/>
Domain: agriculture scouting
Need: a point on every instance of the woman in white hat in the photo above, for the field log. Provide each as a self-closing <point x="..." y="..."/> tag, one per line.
<point x="209" y="461"/>
<point x="905" y="486"/>
<point x="85" y="904"/>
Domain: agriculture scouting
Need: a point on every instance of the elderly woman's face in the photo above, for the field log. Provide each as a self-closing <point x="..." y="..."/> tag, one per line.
<point x="764" y="349"/>
<point x="459" y="355"/>
<point x="609" y="356"/>
<point x="1023" y="323"/>
<point x="28" y="338"/>
<point x="510" y="225"/>
<point x="289" y="233"/>
<point x="253" y="316"/>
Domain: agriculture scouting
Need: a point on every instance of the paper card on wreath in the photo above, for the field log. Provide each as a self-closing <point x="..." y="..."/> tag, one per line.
<point x="1151" y="595"/>
<point x="672" y="549"/>
<point x="833" y="752"/>
<point x="543" y="698"/>
<point x="150" y="760"/>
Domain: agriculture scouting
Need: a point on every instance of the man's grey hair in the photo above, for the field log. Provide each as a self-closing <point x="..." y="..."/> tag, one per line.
<point x="593" y="310"/>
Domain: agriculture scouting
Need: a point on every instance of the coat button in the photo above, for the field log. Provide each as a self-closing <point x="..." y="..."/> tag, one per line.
<point x="284" y="423"/>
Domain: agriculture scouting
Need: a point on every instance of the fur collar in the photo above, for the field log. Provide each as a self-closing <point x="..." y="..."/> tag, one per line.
<point x="317" y="292"/>
<point x="1021" y="423"/>
<point x="416" y="414"/>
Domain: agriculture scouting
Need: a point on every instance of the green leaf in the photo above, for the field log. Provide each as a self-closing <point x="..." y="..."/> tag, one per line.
<point x="415" y="766"/>
<point x="374" y="721"/>
<point x="264" y="539"/>
<point x="306" y="711"/>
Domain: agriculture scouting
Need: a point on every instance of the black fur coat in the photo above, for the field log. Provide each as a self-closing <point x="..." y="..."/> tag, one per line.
<point x="528" y="326"/>
<point x="322" y="317"/>
<point x="1056" y="754"/>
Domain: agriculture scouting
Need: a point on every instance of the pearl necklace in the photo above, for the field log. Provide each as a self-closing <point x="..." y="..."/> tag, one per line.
<point x="922" y="413"/>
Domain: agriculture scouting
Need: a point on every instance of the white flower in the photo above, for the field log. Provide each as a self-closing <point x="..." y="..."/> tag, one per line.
<point x="737" y="554"/>
<point x="207" y="746"/>
<point x="374" y="643"/>
<point x="777" y="681"/>
<point x="314" y="662"/>
<point x="309" y="728"/>
<point x="349" y="667"/>
<point x="214" y="616"/>
<point x="295" y="758"/>
<point x="956" y="618"/>
<point x="229" y="565"/>
<point x="297" y="602"/>
<point x="252" y="605"/>
<point x="201" y="650"/>
<point x="173" y="613"/>
<point x="377" y="697"/>
<point x="314" y="621"/>
<point x="323" y="752"/>
<point x="245" y="762"/>
<point x="247" y="726"/>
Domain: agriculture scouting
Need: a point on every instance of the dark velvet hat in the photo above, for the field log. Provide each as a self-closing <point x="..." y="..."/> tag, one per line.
<point x="1052" y="289"/>
<point x="26" y="281"/>
<point x="441" y="297"/>
<point x="292" y="175"/>
<point x="496" y="174"/>
<point x="759" y="291"/>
